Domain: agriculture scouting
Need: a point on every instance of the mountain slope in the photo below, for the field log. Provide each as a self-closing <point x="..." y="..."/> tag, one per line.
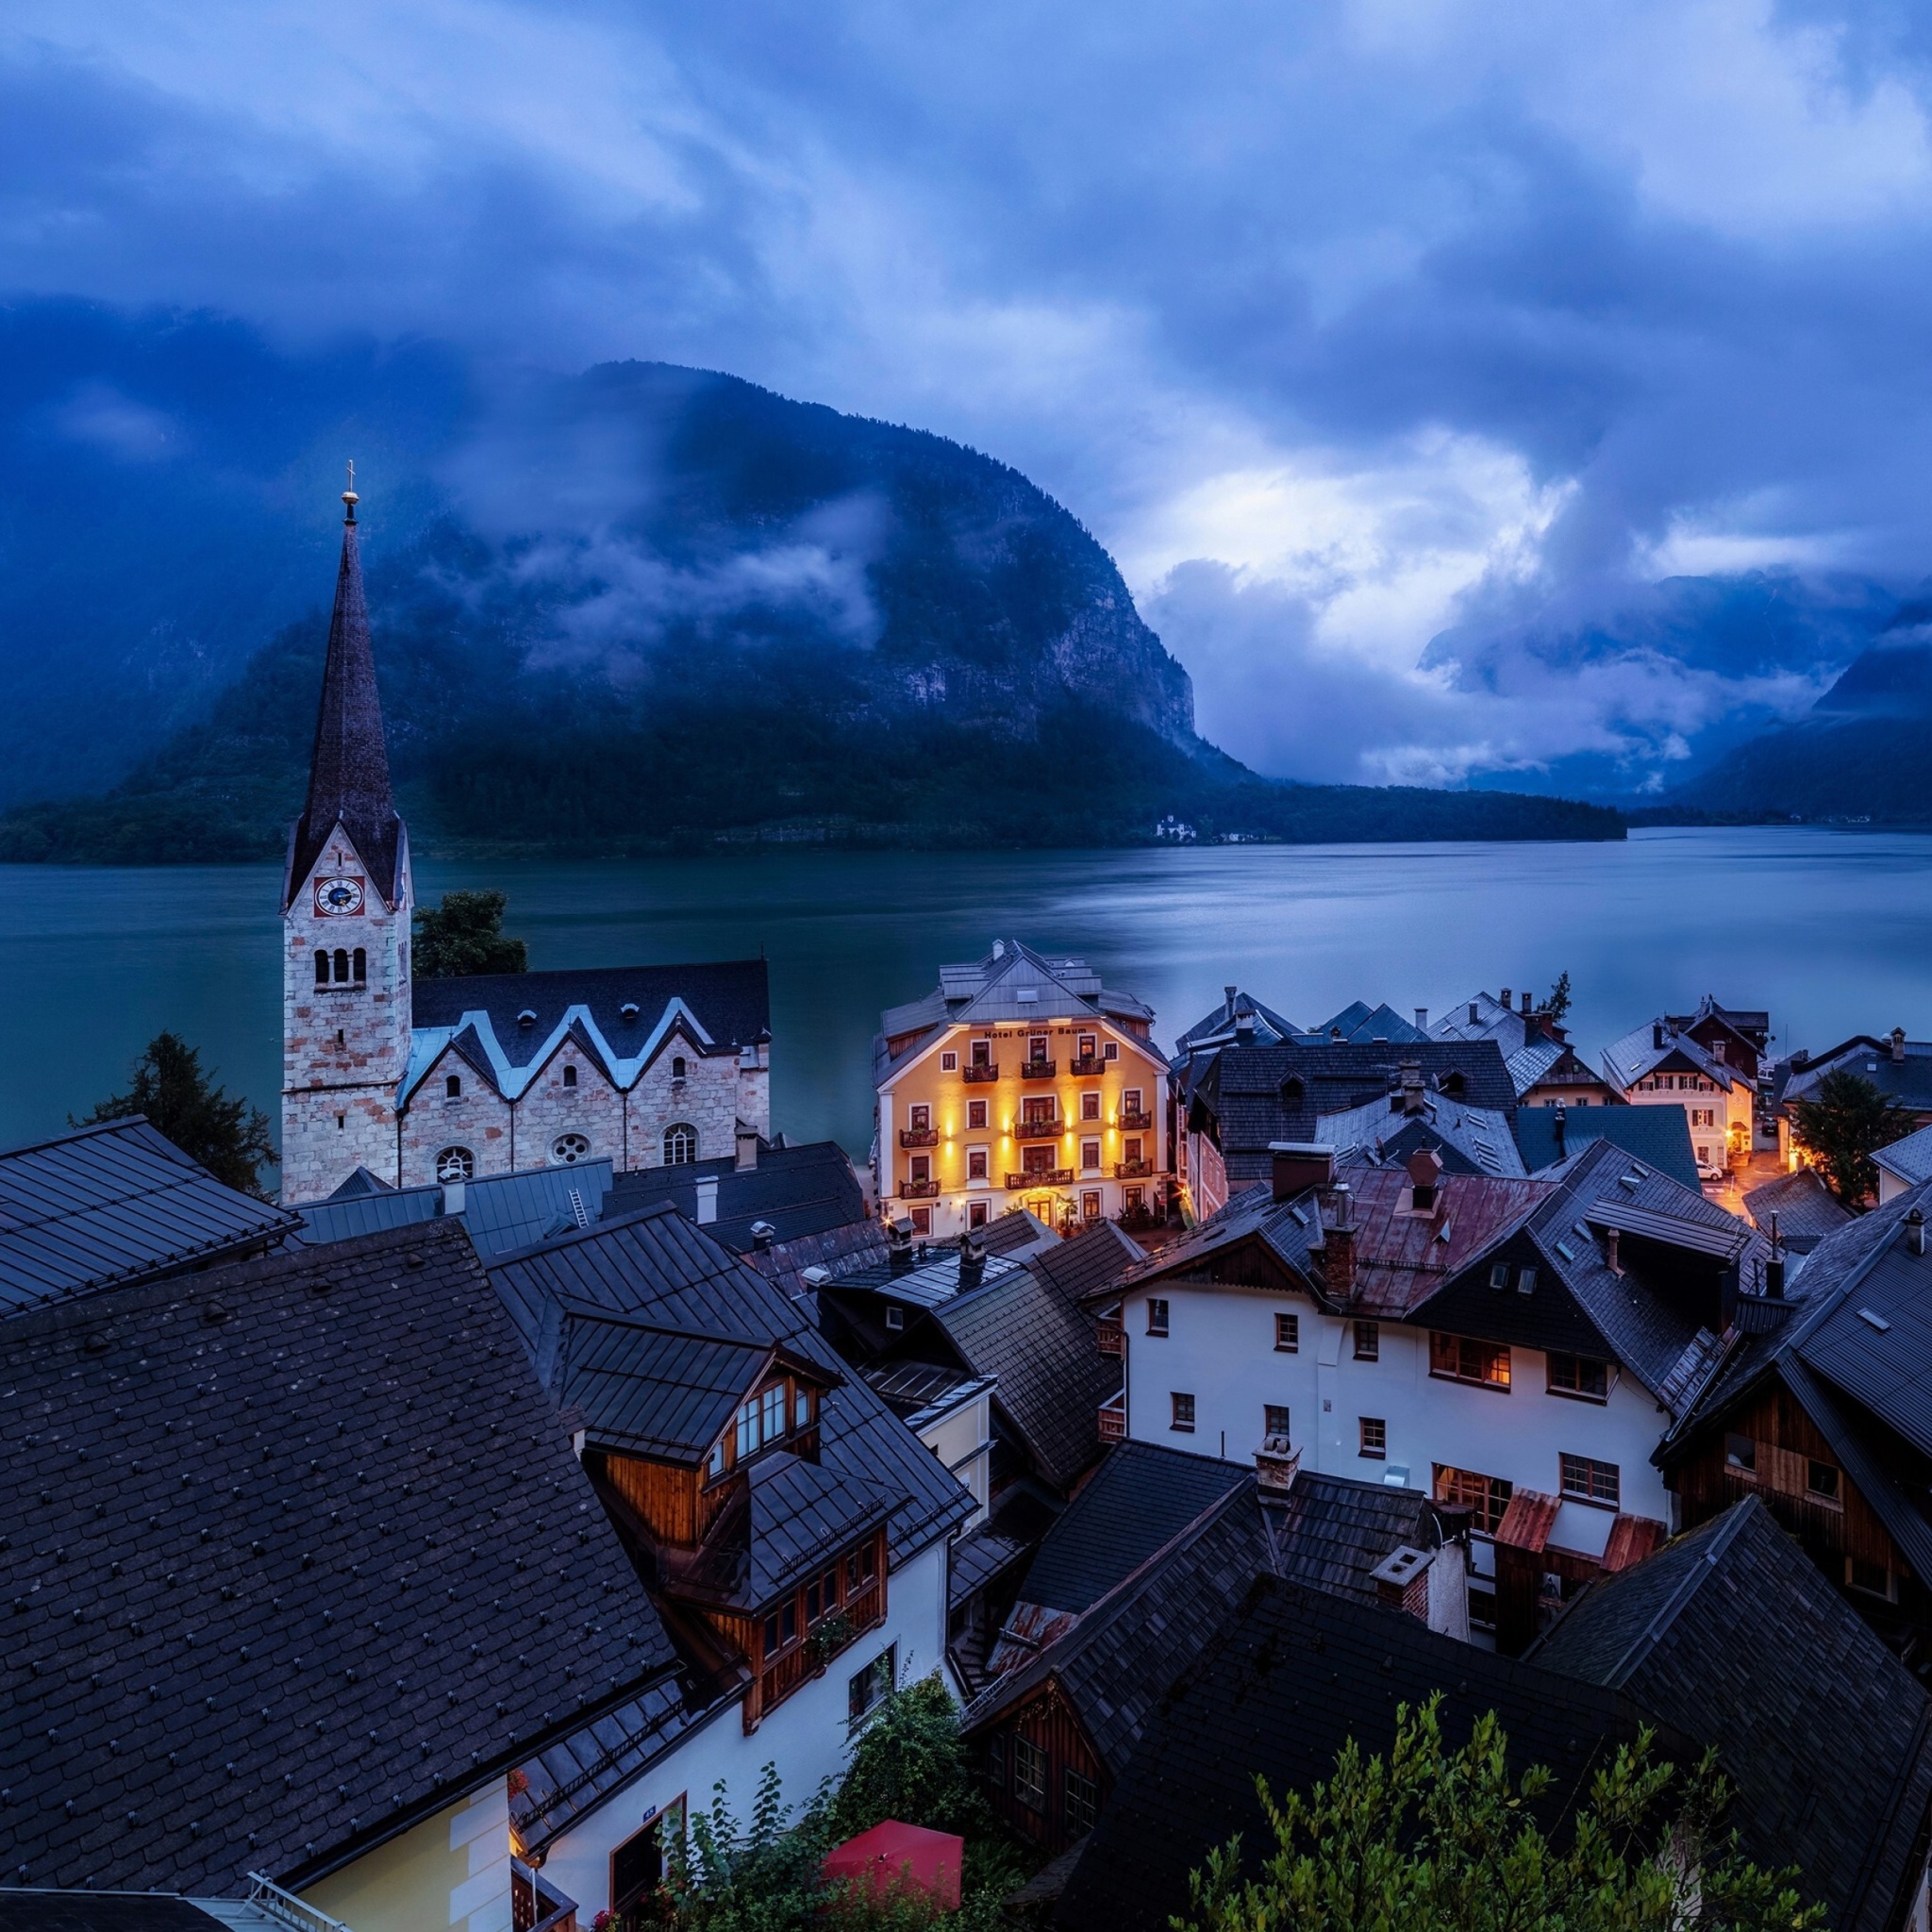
<point x="647" y="607"/>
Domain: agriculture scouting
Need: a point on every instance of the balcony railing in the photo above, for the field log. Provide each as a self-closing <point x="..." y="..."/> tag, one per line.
<point x="1129" y="1122"/>
<point x="1132" y="1170"/>
<point x="1086" y="1064"/>
<point x="808" y="1659"/>
<point x="536" y="1906"/>
<point x="919" y="1137"/>
<point x="974" y="1070"/>
<point x="1041" y="1177"/>
<point x="1039" y="1070"/>
<point x="919" y="1190"/>
<point x="1114" y="1420"/>
<point x="1107" y="1332"/>
<point x="1038" y="1130"/>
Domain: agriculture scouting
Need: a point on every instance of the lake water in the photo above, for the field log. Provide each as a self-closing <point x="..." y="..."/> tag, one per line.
<point x="1831" y="930"/>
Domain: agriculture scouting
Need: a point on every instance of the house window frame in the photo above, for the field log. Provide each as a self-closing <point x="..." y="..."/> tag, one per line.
<point x="1081" y="1807"/>
<point x="1373" y="1436"/>
<point x="1469" y="1361"/>
<point x="1180" y="1411"/>
<point x="868" y="1687"/>
<point x="949" y="1061"/>
<point x="1160" y="1316"/>
<point x="1574" y="1391"/>
<point x="1273" y="1414"/>
<point x="1583" y="1479"/>
<point x="1030" y="1770"/>
<point x="1288" y="1332"/>
<point x="976" y="1117"/>
<point x="1487" y="1496"/>
<point x="1368" y="1341"/>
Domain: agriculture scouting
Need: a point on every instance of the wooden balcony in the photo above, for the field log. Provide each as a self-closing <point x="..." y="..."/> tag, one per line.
<point x="535" y="1905"/>
<point x="1085" y="1065"/>
<point x="809" y="1657"/>
<point x="975" y="1071"/>
<point x="1107" y="1333"/>
<point x="1113" y="1419"/>
<point x="1133" y="1123"/>
<point x="1132" y="1170"/>
<point x="919" y="1137"/>
<point x="1038" y="1130"/>
<point x="1041" y="1177"/>
<point x="1039" y="1070"/>
<point x="919" y="1190"/>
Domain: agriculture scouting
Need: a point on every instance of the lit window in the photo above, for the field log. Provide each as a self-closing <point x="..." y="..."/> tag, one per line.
<point x="680" y="1145"/>
<point x="1275" y="1418"/>
<point x="568" y="1149"/>
<point x="1131" y="1149"/>
<point x="1459" y="1359"/>
<point x="921" y="1120"/>
<point x="1086" y="1044"/>
<point x="456" y="1164"/>
<point x="1183" y="1412"/>
<point x="1578" y="1374"/>
<point x="1083" y="1803"/>
<point x="1156" y="1315"/>
<point x="1485" y="1496"/>
<point x="1130" y="1100"/>
<point x="1591" y="1481"/>
<point x="570" y="1077"/>
<point x="1368" y="1341"/>
<point x="452" y="1086"/>
<point x="1288" y="1333"/>
<point x="1029" y="1774"/>
<point x="1374" y="1438"/>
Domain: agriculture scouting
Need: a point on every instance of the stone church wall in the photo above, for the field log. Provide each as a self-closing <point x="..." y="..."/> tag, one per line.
<point x="548" y="1109"/>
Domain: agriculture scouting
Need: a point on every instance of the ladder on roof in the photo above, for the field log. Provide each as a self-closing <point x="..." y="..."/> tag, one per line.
<point x="579" y="1214"/>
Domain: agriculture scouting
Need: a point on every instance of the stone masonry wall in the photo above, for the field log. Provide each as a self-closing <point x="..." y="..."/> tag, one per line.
<point x="345" y="1049"/>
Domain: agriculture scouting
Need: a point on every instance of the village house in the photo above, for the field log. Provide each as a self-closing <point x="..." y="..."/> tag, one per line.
<point x="1020" y="1081"/>
<point x="1818" y="1409"/>
<point x="1901" y="1068"/>
<point x="1706" y="1062"/>
<point x="1512" y="1345"/>
<point x="1903" y="1165"/>
<point x="444" y="1081"/>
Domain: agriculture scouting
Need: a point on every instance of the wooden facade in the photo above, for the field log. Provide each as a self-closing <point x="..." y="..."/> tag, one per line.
<point x="1044" y="1775"/>
<point x="794" y="1641"/>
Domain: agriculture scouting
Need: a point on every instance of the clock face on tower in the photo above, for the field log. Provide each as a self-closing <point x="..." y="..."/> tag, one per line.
<point x="337" y="898"/>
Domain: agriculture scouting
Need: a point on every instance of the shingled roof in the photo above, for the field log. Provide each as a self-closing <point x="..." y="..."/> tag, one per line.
<point x="659" y="1266"/>
<point x="300" y="1555"/>
<point x="1286" y="1676"/>
<point x="115" y="1204"/>
<point x="794" y="1191"/>
<point x="348" y="768"/>
<point x="1731" y="1635"/>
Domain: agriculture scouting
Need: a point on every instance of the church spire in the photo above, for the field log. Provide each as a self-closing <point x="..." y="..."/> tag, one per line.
<point x="348" y="773"/>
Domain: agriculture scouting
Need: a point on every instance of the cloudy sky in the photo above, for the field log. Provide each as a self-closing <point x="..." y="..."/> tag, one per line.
<point x="1342" y="323"/>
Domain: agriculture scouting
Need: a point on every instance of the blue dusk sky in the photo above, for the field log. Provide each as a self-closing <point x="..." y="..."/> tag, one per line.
<point x="1344" y="324"/>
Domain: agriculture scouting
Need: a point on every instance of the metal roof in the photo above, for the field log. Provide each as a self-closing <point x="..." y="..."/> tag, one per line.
<point x="115" y="1204"/>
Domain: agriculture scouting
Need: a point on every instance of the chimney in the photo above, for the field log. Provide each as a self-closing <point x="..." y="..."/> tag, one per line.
<point x="708" y="1199"/>
<point x="1300" y="1165"/>
<point x="1244" y="1027"/>
<point x="453" y="1197"/>
<point x="1424" y="1178"/>
<point x="747" y="1147"/>
<point x="1421" y="1019"/>
<point x="1774" y="1278"/>
<point x="1338" y="1251"/>
<point x="1525" y="1005"/>
<point x="1657" y="1034"/>
<point x="1230" y="991"/>
<point x="1613" y="1241"/>
<point x="1915" y="1231"/>
<point x="1474" y="1013"/>
<point x="1506" y="999"/>
<point x="1898" y="1046"/>
<point x="1560" y="1124"/>
<point x="762" y="1234"/>
<point x="1411" y="1072"/>
<point x="899" y="1244"/>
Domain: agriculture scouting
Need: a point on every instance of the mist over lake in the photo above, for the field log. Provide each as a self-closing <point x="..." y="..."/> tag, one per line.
<point x="1831" y="930"/>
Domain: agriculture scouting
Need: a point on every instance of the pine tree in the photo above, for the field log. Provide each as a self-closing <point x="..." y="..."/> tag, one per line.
<point x="228" y="1137"/>
<point x="464" y="935"/>
<point x="1842" y="1126"/>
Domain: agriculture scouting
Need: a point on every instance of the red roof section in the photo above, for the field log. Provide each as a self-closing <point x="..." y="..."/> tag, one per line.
<point x="1528" y="1520"/>
<point x="1632" y="1539"/>
<point x="1404" y="1258"/>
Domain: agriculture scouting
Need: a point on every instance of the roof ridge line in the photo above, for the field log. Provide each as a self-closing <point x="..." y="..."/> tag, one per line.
<point x="1672" y="1605"/>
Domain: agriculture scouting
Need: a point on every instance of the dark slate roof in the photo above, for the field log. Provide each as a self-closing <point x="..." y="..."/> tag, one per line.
<point x="730" y="999"/>
<point x="801" y="1514"/>
<point x="1246" y="1089"/>
<point x="1804" y="1207"/>
<point x="1909" y="1080"/>
<point x="501" y="1212"/>
<point x="357" y="1435"/>
<point x="1287" y="1678"/>
<point x="1732" y="1636"/>
<point x="1331" y="1531"/>
<point x="980" y="1558"/>
<point x="796" y="1191"/>
<point x="348" y="769"/>
<point x="1361" y="1024"/>
<point x="1091" y="1260"/>
<point x="858" y="1244"/>
<point x="647" y="1391"/>
<point x="1467" y="1139"/>
<point x="1045" y="1355"/>
<point x="23" y="1911"/>
<point x="1218" y="1028"/>
<point x="1657" y="1136"/>
<point x="1116" y="1662"/>
<point x="1141" y="1496"/>
<point x="115" y="1204"/>
<point x="1017" y="1233"/>
<point x="658" y="1265"/>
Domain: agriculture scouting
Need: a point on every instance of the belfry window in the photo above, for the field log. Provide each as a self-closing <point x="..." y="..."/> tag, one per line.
<point x="680" y="1145"/>
<point x="360" y="960"/>
<point x="341" y="966"/>
<point x="322" y="969"/>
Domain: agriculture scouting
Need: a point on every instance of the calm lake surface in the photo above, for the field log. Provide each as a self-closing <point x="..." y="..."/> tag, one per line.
<point x="1831" y="930"/>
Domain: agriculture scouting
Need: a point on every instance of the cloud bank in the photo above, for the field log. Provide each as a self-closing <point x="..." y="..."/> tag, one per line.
<point x="1347" y="325"/>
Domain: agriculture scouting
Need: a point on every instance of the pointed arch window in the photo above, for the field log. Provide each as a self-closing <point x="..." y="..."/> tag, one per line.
<point x="680" y="1145"/>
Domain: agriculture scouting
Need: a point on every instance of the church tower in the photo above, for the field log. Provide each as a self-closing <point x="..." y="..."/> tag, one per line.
<point x="346" y="924"/>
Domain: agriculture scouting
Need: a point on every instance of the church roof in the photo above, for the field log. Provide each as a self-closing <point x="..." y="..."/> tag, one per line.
<point x="348" y="772"/>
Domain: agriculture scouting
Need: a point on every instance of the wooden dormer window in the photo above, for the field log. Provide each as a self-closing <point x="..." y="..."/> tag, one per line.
<point x="783" y="1412"/>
